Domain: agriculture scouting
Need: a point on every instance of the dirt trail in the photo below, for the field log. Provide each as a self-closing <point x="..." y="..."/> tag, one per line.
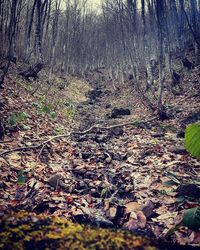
<point x="108" y="177"/>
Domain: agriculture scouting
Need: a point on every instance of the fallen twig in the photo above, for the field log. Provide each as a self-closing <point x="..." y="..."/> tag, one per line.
<point x="34" y="146"/>
<point x="96" y="126"/>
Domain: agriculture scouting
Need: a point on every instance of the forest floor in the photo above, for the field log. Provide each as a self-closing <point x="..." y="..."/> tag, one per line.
<point x="131" y="172"/>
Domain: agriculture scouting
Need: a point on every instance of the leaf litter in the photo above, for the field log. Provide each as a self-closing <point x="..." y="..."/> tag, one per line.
<point x="128" y="181"/>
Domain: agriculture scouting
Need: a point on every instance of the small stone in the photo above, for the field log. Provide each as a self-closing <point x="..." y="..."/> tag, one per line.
<point x="178" y="150"/>
<point x="116" y="131"/>
<point x="118" y="112"/>
<point x="158" y="135"/>
<point x="54" y="180"/>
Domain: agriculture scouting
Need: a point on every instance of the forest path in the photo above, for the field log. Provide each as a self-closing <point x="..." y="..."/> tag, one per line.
<point x="125" y="177"/>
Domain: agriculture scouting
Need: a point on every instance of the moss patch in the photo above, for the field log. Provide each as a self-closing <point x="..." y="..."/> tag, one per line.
<point x="29" y="231"/>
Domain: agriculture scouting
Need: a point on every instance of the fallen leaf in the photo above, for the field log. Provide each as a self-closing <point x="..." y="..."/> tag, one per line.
<point x="141" y="219"/>
<point x="132" y="207"/>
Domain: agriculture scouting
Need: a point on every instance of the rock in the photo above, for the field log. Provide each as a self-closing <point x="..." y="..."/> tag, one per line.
<point x="178" y="150"/>
<point x="118" y="112"/>
<point x="54" y="180"/>
<point x="116" y="131"/>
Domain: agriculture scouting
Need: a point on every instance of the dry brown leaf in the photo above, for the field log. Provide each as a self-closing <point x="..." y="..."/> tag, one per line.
<point x="132" y="207"/>
<point x="141" y="219"/>
<point x="131" y="224"/>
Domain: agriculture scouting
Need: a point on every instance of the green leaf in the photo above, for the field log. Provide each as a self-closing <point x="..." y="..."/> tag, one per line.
<point x="53" y="114"/>
<point x="12" y="120"/>
<point x="192" y="139"/>
<point x="103" y="192"/>
<point x="21" y="179"/>
<point x="21" y="116"/>
<point x="191" y="218"/>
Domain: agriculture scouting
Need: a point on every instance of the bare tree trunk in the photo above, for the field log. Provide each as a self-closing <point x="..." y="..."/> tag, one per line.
<point x="160" y="8"/>
<point x="11" y="33"/>
<point x="30" y="24"/>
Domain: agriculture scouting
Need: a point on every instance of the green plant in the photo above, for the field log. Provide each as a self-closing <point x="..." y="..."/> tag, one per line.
<point x="43" y="108"/>
<point x="192" y="139"/>
<point x="191" y="217"/>
<point x="21" y="179"/>
<point x="18" y="118"/>
<point x="69" y="111"/>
